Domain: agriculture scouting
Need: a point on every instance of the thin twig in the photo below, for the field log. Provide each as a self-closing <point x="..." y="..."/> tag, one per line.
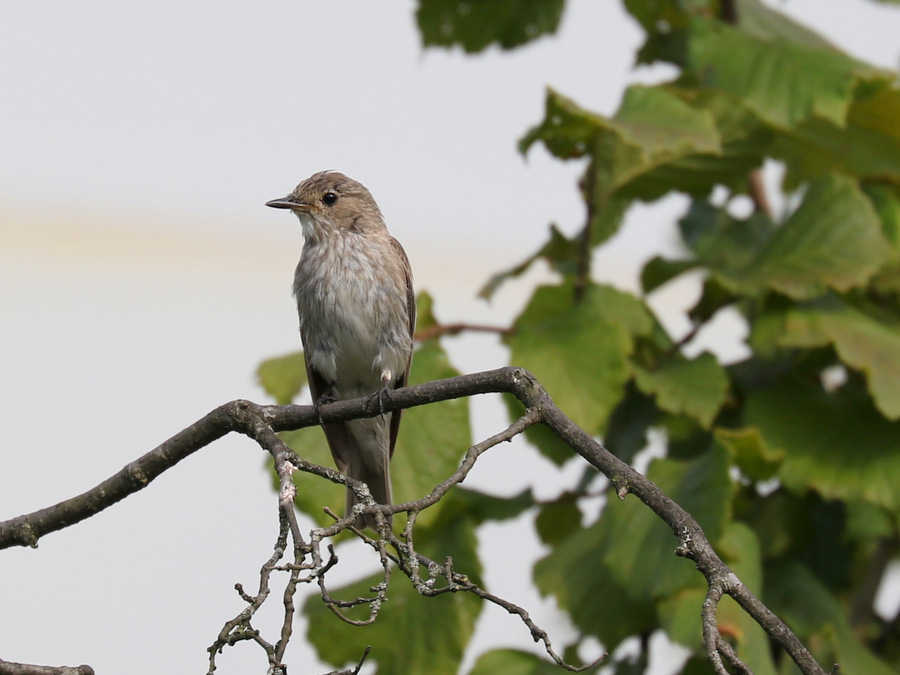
<point x="441" y="329"/>
<point x="261" y="423"/>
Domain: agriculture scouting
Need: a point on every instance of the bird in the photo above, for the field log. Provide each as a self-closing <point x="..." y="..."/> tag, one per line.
<point x="357" y="307"/>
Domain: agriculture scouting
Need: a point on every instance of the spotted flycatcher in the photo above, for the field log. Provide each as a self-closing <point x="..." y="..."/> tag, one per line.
<point x="357" y="309"/>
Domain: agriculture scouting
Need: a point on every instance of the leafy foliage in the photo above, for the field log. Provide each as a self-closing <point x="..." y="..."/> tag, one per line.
<point x="790" y="458"/>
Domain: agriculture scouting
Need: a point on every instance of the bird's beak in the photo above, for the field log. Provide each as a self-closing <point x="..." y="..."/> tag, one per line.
<point x="288" y="203"/>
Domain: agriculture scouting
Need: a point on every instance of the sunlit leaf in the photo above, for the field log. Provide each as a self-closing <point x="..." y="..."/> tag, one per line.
<point x="695" y="387"/>
<point x="579" y="350"/>
<point x="782" y="82"/>
<point x="865" y="342"/>
<point x="833" y="239"/>
<point x="750" y="453"/>
<point x="283" y="377"/>
<point x="867" y="145"/>
<point x="835" y="443"/>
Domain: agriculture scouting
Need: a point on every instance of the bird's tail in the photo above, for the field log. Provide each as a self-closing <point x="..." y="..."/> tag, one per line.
<point x="371" y="464"/>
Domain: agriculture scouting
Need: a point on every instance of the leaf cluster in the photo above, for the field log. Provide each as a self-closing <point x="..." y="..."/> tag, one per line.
<point x="789" y="458"/>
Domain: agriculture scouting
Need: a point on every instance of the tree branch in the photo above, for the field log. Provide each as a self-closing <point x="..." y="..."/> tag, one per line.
<point x="262" y="422"/>
<point x="11" y="668"/>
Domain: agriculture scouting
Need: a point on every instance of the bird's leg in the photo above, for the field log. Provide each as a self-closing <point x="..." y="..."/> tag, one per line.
<point x="384" y="392"/>
<point x="324" y="397"/>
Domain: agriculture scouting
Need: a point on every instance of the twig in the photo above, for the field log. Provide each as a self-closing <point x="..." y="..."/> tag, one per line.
<point x="440" y="329"/>
<point x="12" y="668"/>
<point x="261" y="423"/>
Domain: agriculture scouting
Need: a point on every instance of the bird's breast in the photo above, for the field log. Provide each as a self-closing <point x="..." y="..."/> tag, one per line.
<point x="354" y="319"/>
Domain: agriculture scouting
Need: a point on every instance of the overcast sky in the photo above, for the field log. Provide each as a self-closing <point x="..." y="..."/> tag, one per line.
<point x="142" y="280"/>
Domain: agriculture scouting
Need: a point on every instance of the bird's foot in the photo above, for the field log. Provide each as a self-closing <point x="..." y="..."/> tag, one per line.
<point x="380" y="395"/>
<point x="324" y="399"/>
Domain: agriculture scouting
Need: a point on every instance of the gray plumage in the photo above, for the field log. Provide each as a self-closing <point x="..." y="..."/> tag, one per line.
<point x="355" y="298"/>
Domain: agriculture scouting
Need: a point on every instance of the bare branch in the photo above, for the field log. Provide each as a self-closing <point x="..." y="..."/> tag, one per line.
<point x="261" y="424"/>
<point x="11" y="668"/>
<point x="440" y="329"/>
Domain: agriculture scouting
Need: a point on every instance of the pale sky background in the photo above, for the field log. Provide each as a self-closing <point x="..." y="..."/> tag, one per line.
<point x="142" y="279"/>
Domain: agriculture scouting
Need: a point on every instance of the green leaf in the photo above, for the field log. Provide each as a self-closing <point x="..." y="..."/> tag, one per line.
<point x="435" y="631"/>
<point x="314" y="493"/>
<point x="480" y="507"/>
<point x="695" y="387"/>
<point x="867" y="146"/>
<point x="807" y="605"/>
<point x="283" y="377"/>
<point x="652" y="127"/>
<point x="442" y="428"/>
<point x="865" y="342"/>
<point x="513" y="662"/>
<point x="750" y="453"/>
<point x="659" y="271"/>
<point x="887" y="205"/>
<point x="832" y="240"/>
<point x="763" y="21"/>
<point x="834" y="443"/>
<point x="474" y="25"/>
<point x="433" y="438"/>
<point x="783" y="82"/>
<point x="425" y="311"/>
<point x="579" y="351"/>
<point x="557" y="520"/>
<point x="626" y="433"/>
<point x="626" y="560"/>
<point x="560" y="252"/>
<point x="566" y="130"/>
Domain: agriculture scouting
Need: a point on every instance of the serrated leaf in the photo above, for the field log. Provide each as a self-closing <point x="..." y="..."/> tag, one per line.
<point x="475" y="25"/>
<point x="867" y="145"/>
<point x="862" y="341"/>
<point x="626" y="560"/>
<point x="579" y="351"/>
<point x="695" y="387"/>
<point x="783" y="82"/>
<point x="836" y="444"/>
<point x="832" y="240"/>
<point x="283" y="377"/>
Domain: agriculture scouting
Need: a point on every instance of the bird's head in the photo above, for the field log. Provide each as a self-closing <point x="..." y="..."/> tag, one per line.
<point x="330" y="203"/>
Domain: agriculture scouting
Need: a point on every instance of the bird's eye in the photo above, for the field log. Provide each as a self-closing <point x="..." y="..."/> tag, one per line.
<point x="329" y="198"/>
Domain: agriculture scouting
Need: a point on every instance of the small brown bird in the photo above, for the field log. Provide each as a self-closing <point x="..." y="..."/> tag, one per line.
<point x="354" y="292"/>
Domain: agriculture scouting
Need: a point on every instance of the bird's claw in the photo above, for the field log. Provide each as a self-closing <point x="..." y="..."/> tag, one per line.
<point x="381" y="394"/>
<point x="324" y="399"/>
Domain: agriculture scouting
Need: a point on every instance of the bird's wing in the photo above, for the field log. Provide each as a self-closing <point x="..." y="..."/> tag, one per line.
<point x="340" y="441"/>
<point x="411" y="315"/>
